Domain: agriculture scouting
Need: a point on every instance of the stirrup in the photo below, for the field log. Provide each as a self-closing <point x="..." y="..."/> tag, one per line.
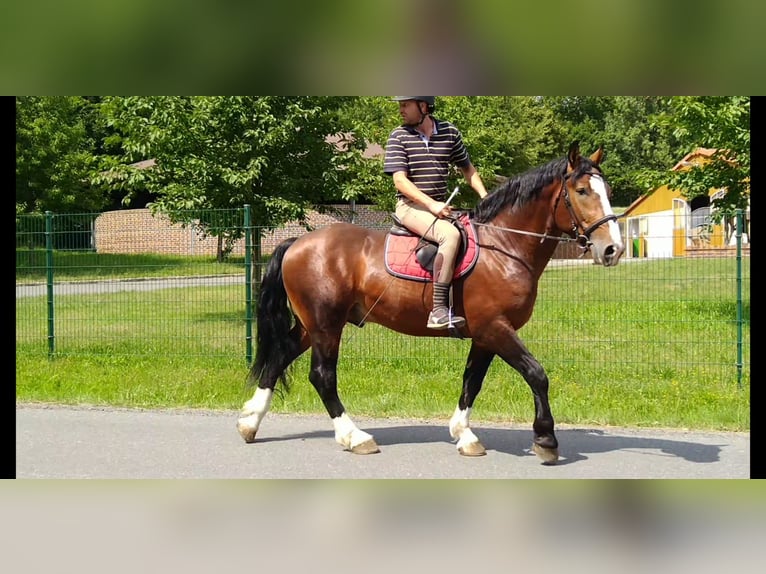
<point x="442" y="318"/>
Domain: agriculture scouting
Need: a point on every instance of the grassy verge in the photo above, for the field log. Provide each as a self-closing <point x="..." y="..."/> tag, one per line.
<point x="383" y="390"/>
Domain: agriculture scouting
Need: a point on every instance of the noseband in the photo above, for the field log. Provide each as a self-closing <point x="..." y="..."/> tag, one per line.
<point x="582" y="239"/>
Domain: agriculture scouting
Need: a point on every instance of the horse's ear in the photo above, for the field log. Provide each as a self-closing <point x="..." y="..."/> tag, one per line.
<point x="574" y="154"/>
<point x="597" y="156"/>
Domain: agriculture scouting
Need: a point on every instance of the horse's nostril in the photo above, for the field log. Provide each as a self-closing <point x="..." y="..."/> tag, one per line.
<point x="612" y="254"/>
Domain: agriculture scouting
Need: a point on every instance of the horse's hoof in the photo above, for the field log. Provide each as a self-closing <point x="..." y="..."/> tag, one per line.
<point x="367" y="447"/>
<point x="246" y="431"/>
<point x="546" y="455"/>
<point x="472" y="449"/>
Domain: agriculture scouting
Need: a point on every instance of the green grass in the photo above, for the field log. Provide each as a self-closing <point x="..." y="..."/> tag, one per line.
<point x="650" y="343"/>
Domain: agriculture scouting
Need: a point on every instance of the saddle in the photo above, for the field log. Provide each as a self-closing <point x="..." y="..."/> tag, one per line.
<point x="409" y="256"/>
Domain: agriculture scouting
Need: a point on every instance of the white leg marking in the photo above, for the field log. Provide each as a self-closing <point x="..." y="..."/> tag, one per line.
<point x="347" y="434"/>
<point x="460" y="430"/>
<point x="254" y="410"/>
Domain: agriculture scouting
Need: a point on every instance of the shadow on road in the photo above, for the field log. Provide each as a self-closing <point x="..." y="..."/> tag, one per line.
<point x="574" y="444"/>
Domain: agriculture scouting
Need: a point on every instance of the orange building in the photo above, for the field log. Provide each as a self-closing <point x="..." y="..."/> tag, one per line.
<point x="662" y="223"/>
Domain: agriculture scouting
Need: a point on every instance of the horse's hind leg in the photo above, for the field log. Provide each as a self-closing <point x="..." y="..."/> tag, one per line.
<point x="459" y="427"/>
<point x="324" y="377"/>
<point x="255" y="409"/>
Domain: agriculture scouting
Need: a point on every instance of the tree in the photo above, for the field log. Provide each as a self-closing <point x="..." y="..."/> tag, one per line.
<point x="218" y="152"/>
<point x="54" y="155"/>
<point x="721" y="123"/>
<point x="623" y="125"/>
<point x="505" y="135"/>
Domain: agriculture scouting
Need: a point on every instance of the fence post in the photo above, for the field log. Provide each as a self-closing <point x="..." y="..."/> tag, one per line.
<point x="248" y="286"/>
<point x="739" y="217"/>
<point x="49" y="281"/>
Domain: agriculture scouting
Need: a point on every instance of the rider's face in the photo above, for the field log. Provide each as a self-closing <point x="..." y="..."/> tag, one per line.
<point x="410" y="112"/>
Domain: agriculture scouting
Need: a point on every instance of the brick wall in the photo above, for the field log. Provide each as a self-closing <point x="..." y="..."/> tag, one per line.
<point x="138" y="231"/>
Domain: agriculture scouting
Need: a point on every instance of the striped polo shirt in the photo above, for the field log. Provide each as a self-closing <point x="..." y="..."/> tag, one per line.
<point x="426" y="162"/>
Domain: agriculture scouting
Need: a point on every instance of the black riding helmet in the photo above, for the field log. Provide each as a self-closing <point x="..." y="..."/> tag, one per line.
<point x="429" y="100"/>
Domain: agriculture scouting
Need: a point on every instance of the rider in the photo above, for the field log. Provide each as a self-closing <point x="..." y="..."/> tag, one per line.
<point x="418" y="156"/>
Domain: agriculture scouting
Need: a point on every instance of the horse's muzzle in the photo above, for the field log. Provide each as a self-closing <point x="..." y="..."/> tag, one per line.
<point x="609" y="256"/>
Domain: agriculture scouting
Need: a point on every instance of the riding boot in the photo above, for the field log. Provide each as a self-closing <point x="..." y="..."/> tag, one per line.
<point x="441" y="316"/>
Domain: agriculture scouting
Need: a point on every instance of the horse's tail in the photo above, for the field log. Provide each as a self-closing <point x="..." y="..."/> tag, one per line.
<point x="274" y="347"/>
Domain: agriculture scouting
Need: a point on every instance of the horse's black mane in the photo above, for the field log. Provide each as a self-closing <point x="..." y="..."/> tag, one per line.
<point x="526" y="187"/>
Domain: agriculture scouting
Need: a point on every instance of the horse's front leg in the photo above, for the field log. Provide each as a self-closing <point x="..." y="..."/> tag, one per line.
<point x="476" y="368"/>
<point x="324" y="378"/>
<point x="516" y="354"/>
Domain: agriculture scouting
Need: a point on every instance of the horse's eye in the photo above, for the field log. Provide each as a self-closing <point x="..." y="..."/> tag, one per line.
<point x="582" y="190"/>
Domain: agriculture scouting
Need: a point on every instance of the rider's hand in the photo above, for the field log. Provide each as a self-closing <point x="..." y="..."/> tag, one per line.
<point x="441" y="209"/>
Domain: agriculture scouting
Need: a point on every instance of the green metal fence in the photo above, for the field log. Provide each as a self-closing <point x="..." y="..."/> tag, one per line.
<point x="128" y="284"/>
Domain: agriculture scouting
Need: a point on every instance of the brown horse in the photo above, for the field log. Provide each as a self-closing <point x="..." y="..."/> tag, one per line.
<point x="315" y="284"/>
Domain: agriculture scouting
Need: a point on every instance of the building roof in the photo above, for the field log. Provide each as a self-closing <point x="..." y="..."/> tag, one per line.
<point x="339" y="141"/>
<point x="686" y="162"/>
<point x="145" y="164"/>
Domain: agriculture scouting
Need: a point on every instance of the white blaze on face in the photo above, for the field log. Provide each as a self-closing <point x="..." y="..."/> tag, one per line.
<point x="598" y="185"/>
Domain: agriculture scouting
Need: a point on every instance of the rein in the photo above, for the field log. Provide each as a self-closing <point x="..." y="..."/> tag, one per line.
<point x="543" y="236"/>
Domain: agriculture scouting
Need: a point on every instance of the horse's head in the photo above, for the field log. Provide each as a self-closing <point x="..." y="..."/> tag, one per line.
<point x="583" y="209"/>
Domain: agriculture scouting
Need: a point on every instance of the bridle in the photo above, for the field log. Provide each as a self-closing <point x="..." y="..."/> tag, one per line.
<point x="582" y="239"/>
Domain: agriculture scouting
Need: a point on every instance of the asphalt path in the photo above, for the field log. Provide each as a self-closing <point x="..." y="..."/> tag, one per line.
<point x="55" y="442"/>
<point x="118" y="285"/>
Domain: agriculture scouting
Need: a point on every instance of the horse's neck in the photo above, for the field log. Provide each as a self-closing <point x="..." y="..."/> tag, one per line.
<point x="544" y="253"/>
<point x="528" y="233"/>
